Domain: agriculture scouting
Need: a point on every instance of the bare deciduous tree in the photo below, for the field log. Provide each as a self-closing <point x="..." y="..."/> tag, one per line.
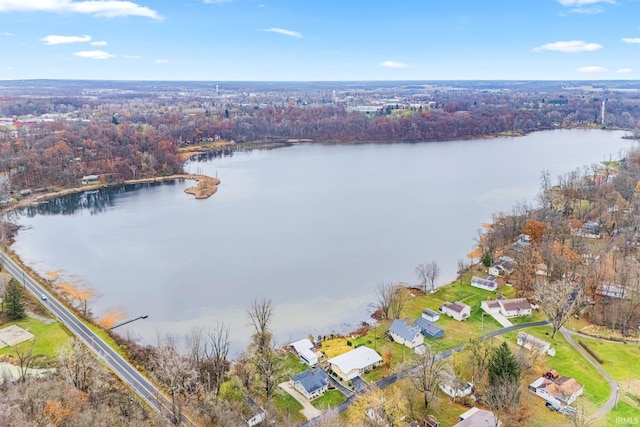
<point x="428" y="274"/>
<point x="259" y="313"/>
<point x="426" y="374"/>
<point x="559" y="301"/>
<point x="384" y="297"/>
<point x="78" y="365"/>
<point x="216" y="353"/>
<point x="480" y="353"/>
<point x="24" y="354"/>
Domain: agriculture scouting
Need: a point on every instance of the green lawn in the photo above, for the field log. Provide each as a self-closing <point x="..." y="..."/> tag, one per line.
<point x="293" y="365"/>
<point x="328" y="400"/>
<point x="570" y="363"/>
<point x="286" y="404"/>
<point x="621" y="361"/>
<point x="49" y="338"/>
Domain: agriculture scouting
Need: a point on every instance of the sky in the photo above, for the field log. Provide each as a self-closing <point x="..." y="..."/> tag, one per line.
<point x="327" y="40"/>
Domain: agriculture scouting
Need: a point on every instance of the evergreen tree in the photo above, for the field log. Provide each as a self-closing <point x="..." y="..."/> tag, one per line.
<point x="503" y="366"/>
<point x="13" y="302"/>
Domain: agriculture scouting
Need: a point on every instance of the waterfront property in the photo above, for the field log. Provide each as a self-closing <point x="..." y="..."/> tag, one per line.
<point x="355" y="362"/>
<point x="502" y="267"/>
<point x="428" y="329"/>
<point x="404" y="334"/>
<point x="304" y="348"/>
<point x="311" y="383"/>
<point x="611" y="290"/>
<point x="488" y="283"/>
<point x="458" y="310"/>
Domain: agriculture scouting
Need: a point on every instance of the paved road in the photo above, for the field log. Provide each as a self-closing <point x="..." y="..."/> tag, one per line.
<point x="141" y="385"/>
<point x="603" y="410"/>
<point x="392" y="379"/>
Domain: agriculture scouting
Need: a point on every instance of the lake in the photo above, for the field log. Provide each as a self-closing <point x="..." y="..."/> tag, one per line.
<point x="313" y="227"/>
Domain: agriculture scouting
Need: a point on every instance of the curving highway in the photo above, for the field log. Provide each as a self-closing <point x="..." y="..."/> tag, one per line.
<point x="127" y="373"/>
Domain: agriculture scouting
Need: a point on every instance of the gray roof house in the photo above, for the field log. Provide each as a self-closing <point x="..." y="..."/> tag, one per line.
<point x="311" y="383"/>
<point x="428" y="329"/>
<point x="430" y="315"/>
<point x="411" y="336"/>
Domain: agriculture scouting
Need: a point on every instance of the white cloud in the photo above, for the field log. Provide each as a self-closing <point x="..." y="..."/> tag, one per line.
<point x="624" y="70"/>
<point x="132" y="56"/>
<point x="94" y="54"/>
<point x="592" y="69"/>
<point x="393" y="64"/>
<point x="100" y="43"/>
<point x="161" y="61"/>
<point x="587" y="10"/>
<point x="104" y="8"/>
<point x="631" y="40"/>
<point x="284" y="32"/>
<point x="569" y="47"/>
<point x="583" y="2"/>
<point x="8" y="34"/>
<point x="51" y="39"/>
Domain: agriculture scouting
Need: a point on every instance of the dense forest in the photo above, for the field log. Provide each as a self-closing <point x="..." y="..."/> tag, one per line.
<point x="119" y="134"/>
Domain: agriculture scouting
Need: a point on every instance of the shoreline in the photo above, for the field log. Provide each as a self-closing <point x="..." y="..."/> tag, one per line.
<point x="206" y="187"/>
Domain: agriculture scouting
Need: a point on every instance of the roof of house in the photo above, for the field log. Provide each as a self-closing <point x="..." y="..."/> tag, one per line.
<point x="424" y="324"/>
<point x="430" y="313"/>
<point x="312" y="379"/>
<point x="475" y="417"/>
<point x="561" y="388"/>
<point x="533" y="341"/>
<point x="457" y="306"/>
<point x="304" y="348"/>
<point x="611" y="290"/>
<point x="408" y="333"/>
<point x="358" y="358"/>
<point x="515" y="304"/>
<point x="492" y="303"/>
<point x="454" y="381"/>
<point x="488" y="281"/>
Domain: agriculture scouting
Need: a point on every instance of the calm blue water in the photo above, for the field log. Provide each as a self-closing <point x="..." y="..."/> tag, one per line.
<point x="313" y="227"/>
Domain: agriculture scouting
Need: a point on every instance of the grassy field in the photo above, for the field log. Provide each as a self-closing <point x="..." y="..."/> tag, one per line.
<point x="328" y="400"/>
<point x="49" y="337"/>
<point x="286" y="404"/>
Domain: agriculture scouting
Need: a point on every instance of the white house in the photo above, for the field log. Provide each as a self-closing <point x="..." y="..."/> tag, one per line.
<point x="430" y="315"/>
<point x="502" y="267"/>
<point x="559" y="391"/>
<point x="488" y="283"/>
<point x="458" y="310"/>
<point x="454" y="387"/>
<point x="532" y="343"/>
<point x="507" y="307"/>
<point x="411" y="336"/>
<point x="611" y="290"/>
<point x="355" y="362"/>
<point x="304" y="348"/>
<point x="311" y="383"/>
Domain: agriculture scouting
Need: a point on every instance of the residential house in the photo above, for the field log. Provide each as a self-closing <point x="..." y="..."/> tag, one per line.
<point x="355" y="362"/>
<point x="90" y="178"/>
<point x="522" y="241"/>
<point x="311" y="383"/>
<point x="458" y="310"/>
<point x="611" y="290"/>
<point x="406" y="335"/>
<point x="557" y="390"/>
<point x="488" y="283"/>
<point x="507" y="307"/>
<point x="502" y="267"/>
<point x="532" y="343"/>
<point x="304" y="348"/>
<point x="476" y="417"/>
<point x="428" y="329"/>
<point x="430" y="315"/>
<point x="454" y="387"/>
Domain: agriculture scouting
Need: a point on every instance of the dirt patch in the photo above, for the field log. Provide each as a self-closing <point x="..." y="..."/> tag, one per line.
<point x="206" y="187"/>
<point x="14" y="334"/>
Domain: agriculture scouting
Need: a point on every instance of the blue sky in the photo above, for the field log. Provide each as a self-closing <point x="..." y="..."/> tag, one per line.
<point x="305" y="40"/>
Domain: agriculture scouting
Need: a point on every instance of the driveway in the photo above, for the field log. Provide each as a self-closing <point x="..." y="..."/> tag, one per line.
<point x="501" y="319"/>
<point x="307" y="409"/>
<point x="602" y="411"/>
